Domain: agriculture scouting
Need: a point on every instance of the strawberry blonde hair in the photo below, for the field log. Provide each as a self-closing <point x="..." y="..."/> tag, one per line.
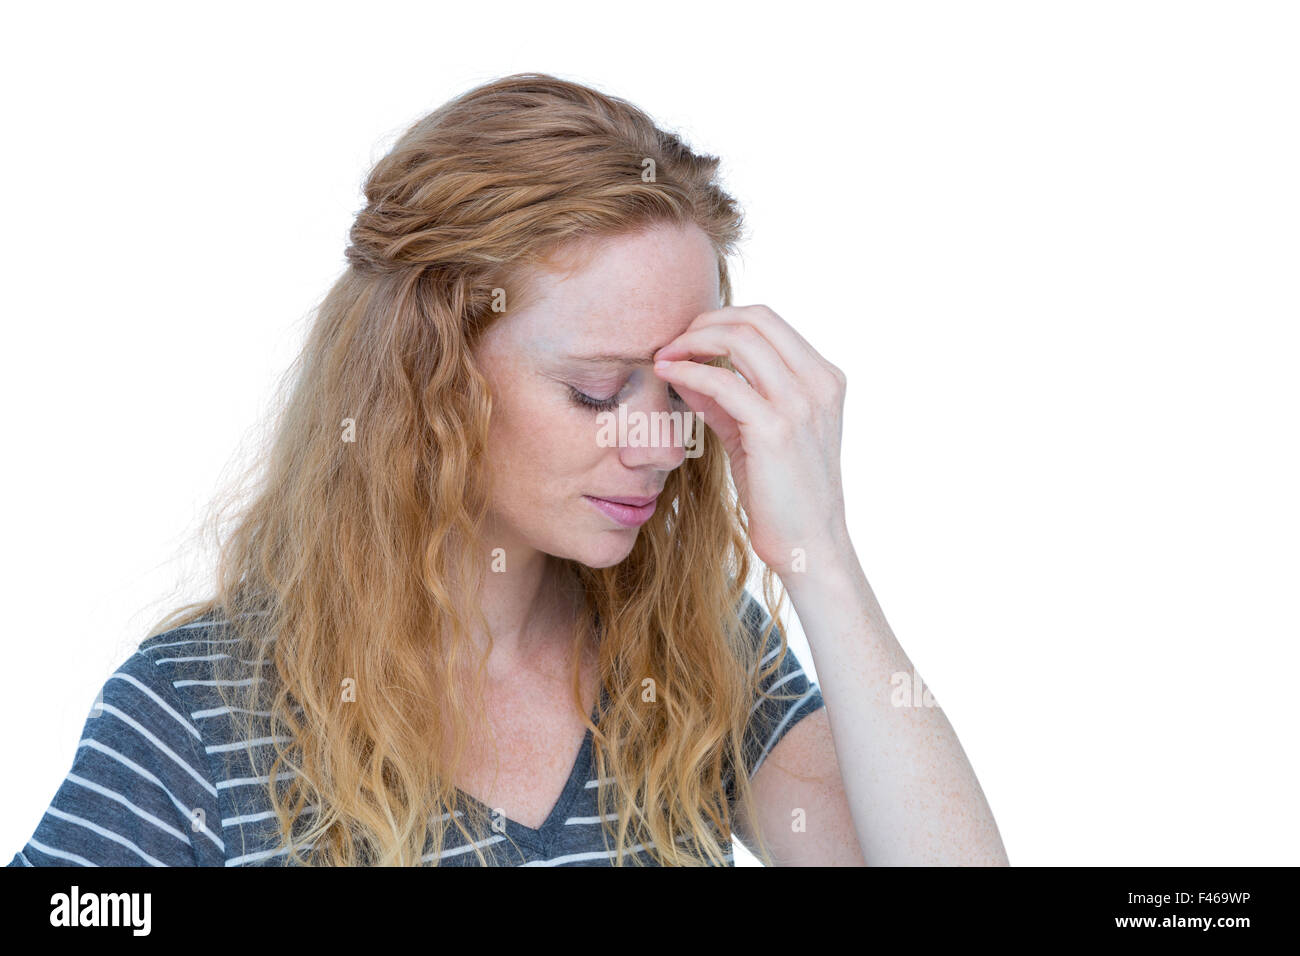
<point x="357" y="561"/>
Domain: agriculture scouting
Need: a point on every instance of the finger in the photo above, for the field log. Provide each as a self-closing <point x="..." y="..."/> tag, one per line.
<point x="747" y="348"/>
<point x="732" y="395"/>
<point x="803" y="360"/>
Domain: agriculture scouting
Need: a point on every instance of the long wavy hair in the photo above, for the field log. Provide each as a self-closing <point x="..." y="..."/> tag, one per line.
<point x="352" y="564"/>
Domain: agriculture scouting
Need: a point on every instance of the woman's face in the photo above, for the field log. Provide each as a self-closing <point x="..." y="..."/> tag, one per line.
<point x="548" y="458"/>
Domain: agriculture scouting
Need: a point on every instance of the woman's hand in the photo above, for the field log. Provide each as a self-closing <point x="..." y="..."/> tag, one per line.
<point x="781" y="427"/>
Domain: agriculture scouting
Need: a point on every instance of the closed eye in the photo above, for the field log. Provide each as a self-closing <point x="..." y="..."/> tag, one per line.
<point x="601" y="404"/>
<point x="611" y="403"/>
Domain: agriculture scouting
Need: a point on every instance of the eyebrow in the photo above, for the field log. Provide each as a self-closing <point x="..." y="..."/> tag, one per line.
<point x="614" y="358"/>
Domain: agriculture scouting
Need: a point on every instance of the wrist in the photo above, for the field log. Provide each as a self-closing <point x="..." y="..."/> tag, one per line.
<point x="824" y="568"/>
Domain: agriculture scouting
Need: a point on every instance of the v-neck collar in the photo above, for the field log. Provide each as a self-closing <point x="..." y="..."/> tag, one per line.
<point x="540" y="838"/>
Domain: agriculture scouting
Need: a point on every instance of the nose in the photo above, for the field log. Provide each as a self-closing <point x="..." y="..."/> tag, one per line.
<point x="658" y="430"/>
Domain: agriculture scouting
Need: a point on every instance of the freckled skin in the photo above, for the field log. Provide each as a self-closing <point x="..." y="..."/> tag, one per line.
<point x="635" y="294"/>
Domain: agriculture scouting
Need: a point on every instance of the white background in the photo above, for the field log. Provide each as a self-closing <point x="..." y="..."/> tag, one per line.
<point x="1054" y="246"/>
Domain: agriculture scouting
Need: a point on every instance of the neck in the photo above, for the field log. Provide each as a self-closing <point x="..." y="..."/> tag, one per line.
<point x="529" y="608"/>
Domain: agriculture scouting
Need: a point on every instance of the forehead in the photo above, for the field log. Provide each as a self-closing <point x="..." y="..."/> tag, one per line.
<point x="620" y="295"/>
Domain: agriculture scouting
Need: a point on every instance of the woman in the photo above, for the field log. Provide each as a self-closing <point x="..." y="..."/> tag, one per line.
<point x="449" y="579"/>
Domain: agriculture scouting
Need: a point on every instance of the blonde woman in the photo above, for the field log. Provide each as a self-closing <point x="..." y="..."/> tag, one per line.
<point x="475" y="611"/>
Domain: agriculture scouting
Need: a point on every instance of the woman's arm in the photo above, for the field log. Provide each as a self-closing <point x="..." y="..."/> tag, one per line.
<point x="912" y="793"/>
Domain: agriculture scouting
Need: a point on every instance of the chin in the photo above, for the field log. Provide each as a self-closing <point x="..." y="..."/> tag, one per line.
<point x="609" y="562"/>
<point x="604" y="550"/>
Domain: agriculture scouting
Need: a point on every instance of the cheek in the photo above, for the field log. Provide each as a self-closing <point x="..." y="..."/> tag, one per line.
<point x="545" y="453"/>
<point x="566" y="449"/>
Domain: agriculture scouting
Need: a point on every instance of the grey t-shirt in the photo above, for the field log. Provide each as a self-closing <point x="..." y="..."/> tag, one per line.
<point x="160" y="779"/>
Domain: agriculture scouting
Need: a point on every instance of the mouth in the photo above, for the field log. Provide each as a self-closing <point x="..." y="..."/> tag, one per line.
<point x="629" y="512"/>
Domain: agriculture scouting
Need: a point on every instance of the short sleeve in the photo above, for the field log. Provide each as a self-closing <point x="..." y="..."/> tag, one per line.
<point x="139" y="792"/>
<point x="797" y="695"/>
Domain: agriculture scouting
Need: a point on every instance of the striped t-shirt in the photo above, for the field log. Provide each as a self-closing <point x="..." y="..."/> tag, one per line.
<point x="160" y="778"/>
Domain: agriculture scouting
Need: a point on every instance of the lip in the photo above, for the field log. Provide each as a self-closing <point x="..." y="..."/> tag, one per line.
<point x="629" y="512"/>
<point x="631" y="502"/>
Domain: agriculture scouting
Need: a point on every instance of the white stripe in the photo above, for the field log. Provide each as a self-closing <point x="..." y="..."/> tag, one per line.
<point x="180" y="718"/>
<point x="205" y="657"/>
<point x="107" y="834"/>
<point x="245" y="781"/>
<point x="50" y="851"/>
<point x="777" y="732"/>
<point x="141" y="771"/>
<point x="144" y="732"/>
<point x="764" y="700"/>
<point x="186" y="627"/>
<point x="262" y="855"/>
<point x="264" y="815"/>
<point x="213" y="640"/>
<point x="216" y="711"/>
<point x="142" y="814"/>
<point x="213" y="683"/>
<point x="219" y="748"/>
<point x="608" y="854"/>
<point x="456" y="851"/>
<point x="593" y="855"/>
<point x="572" y="821"/>
<point x="246" y="818"/>
<point x="596" y="783"/>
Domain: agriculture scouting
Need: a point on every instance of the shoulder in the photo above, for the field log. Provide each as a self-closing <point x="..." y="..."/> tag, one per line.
<point x="200" y="664"/>
<point x="195" y="673"/>
<point x="146" y="691"/>
<point x="167" y="691"/>
<point x="142" y="788"/>
<point x="197" y="659"/>
<point x="185" y="642"/>
<point x="201" y="668"/>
